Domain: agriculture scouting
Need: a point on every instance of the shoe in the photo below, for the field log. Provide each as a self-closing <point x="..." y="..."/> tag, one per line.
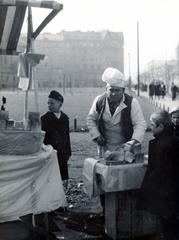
<point x="53" y="227"/>
<point x="61" y="210"/>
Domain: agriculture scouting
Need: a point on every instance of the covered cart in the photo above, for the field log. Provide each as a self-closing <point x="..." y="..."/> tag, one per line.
<point x="119" y="181"/>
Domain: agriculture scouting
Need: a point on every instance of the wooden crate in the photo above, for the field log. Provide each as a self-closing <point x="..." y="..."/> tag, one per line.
<point x="123" y="221"/>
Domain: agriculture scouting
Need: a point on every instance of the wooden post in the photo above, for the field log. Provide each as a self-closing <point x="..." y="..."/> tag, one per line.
<point x="75" y="124"/>
<point x="29" y="73"/>
<point x="35" y="82"/>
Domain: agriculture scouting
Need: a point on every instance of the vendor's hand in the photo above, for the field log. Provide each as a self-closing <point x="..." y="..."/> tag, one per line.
<point x="100" y="141"/>
<point x="129" y="146"/>
<point x="114" y="156"/>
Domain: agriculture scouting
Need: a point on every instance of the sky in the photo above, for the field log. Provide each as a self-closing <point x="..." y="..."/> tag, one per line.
<point x="158" y="25"/>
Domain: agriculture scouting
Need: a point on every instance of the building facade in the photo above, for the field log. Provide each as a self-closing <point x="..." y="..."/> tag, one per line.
<point x="8" y="71"/>
<point x="76" y="59"/>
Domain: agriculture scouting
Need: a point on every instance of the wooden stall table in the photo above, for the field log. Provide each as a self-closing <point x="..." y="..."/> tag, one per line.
<point x="120" y="184"/>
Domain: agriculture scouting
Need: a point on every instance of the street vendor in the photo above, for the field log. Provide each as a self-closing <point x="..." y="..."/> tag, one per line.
<point x="115" y="118"/>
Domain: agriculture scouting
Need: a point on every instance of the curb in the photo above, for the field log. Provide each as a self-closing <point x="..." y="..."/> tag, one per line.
<point x="162" y="106"/>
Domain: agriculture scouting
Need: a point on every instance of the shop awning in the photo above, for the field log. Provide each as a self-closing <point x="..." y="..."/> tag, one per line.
<point x="33" y="3"/>
<point x="12" y="13"/>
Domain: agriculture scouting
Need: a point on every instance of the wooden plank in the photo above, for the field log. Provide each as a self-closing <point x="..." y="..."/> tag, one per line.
<point x="3" y="12"/>
<point x="8" y="52"/>
<point x="50" y="16"/>
<point x="7" y="27"/>
<point x="124" y="222"/>
<point x="132" y="223"/>
<point x="33" y="3"/>
<point x="16" y="28"/>
<point x="111" y="215"/>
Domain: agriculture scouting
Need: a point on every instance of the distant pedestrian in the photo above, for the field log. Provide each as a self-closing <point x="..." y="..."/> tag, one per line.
<point x="151" y="89"/>
<point x="55" y="123"/>
<point x="162" y="89"/>
<point x="159" y="192"/>
<point x="157" y="89"/>
<point x="174" y="91"/>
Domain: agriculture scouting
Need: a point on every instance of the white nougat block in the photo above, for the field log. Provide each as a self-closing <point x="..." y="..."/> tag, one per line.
<point x="129" y="156"/>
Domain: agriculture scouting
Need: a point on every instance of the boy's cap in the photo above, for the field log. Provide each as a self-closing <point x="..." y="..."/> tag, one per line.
<point x="56" y="95"/>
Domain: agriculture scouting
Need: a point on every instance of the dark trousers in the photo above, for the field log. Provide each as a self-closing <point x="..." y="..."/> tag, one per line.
<point x="169" y="228"/>
<point x="63" y="166"/>
<point x="102" y="201"/>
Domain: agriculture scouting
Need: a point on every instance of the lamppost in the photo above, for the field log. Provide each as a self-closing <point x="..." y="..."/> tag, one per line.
<point x="129" y="72"/>
<point x="138" y="72"/>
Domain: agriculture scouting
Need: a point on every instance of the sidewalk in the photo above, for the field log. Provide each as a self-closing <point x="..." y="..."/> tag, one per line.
<point x="165" y="103"/>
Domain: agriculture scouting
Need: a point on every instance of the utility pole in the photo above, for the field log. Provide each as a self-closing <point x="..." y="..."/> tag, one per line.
<point x="130" y="82"/>
<point x="138" y="70"/>
<point x="64" y="83"/>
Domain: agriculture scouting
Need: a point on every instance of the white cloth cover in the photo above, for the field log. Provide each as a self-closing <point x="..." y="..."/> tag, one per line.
<point x="30" y="184"/>
<point x="23" y="83"/>
<point x="89" y="177"/>
<point x="123" y="177"/>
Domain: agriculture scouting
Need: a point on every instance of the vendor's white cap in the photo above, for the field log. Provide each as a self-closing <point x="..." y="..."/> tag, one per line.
<point x="113" y="77"/>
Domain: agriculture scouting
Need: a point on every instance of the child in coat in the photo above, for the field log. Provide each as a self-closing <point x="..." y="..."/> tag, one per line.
<point x="174" y="113"/>
<point x="159" y="191"/>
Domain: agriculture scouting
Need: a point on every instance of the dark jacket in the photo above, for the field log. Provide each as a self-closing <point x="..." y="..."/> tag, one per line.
<point x="57" y="135"/>
<point x="159" y="191"/>
<point x="151" y="89"/>
<point x="126" y="122"/>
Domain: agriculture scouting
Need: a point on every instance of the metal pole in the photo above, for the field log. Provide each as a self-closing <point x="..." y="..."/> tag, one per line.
<point x="138" y="70"/>
<point x="129" y="73"/>
<point x="64" y="83"/>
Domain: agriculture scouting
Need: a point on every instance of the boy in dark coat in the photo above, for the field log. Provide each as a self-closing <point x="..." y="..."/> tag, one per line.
<point x="55" y="123"/>
<point x="159" y="190"/>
